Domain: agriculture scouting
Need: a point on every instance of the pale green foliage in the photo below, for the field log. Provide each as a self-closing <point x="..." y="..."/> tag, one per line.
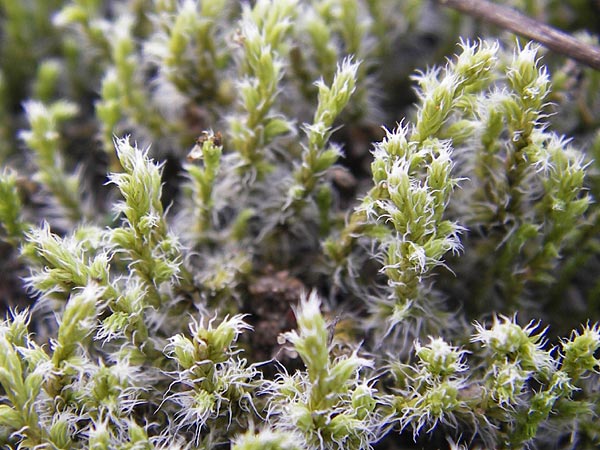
<point x="304" y="279"/>
<point x="78" y="322"/>
<point x="44" y="140"/>
<point x="64" y="263"/>
<point x="526" y="183"/>
<point x="203" y="179"/>
<point x="503" y="405"/>
<point x="218" y="383"/>
<point x="429" y="392"/>
<point x="186" y="46"/>
<point x="412" y="176"/>
<point x="316" y="157"/>
<point x="262" y="34"/>
<point x="10" y="208"/>
<point x="330" y="405"/>
<point x="154" y="253"/>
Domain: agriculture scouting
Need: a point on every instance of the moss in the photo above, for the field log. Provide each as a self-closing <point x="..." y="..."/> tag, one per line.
<point x="232" y="230"/>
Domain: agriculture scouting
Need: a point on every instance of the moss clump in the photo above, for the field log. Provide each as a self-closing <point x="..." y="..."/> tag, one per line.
<point x="240" y="226"/>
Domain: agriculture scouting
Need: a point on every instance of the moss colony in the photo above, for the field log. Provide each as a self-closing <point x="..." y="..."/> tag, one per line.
<point x="286" y="224"/>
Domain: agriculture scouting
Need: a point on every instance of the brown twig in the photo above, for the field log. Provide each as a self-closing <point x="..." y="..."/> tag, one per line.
<point x="523" y="25"/>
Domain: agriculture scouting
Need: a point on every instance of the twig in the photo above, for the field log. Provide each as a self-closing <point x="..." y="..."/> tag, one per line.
<point x="523" y="25"/>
